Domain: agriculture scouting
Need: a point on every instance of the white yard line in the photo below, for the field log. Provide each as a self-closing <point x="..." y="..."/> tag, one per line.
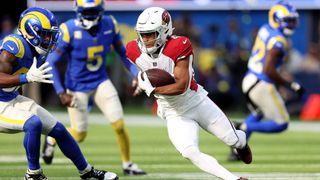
<point x="149" y="120"/>
<point x="202" y="176"/>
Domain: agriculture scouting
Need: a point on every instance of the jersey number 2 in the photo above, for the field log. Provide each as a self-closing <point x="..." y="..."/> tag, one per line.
<point x="258" y="53"/>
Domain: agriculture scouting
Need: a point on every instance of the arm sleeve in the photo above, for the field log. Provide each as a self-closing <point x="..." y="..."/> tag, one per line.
<point x="131" y="67"/>
<point x="56" y="56"/>
<point x="53" y="59"/>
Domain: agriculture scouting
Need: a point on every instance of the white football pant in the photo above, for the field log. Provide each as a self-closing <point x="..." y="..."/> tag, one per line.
<point x="14" y="113"/>
<point x="183" y="132"/>
<point x="105" y="97"/>
<point x="265" y="96"/>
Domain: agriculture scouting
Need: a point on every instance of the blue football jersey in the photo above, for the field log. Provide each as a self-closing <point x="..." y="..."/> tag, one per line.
<point x="18" y="46"/>
<point x="266" y="39"/>
<point x="86" y="54"/>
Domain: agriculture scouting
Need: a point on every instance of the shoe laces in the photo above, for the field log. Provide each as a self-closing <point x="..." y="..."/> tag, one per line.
<point x="97" y="173"/>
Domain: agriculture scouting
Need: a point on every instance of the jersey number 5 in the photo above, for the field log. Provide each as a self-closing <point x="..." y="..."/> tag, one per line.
<point x="94" y="59"/>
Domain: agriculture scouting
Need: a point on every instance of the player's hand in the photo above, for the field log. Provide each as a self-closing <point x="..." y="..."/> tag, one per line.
<point x="39" y="74"/>
<point x="144" y="83"/>
<point x="134" y="85"/>
<point x="297" y="88"/>
<point x="68" y="100"/>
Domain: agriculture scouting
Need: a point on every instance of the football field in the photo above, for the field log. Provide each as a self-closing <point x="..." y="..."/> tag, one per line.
<point x="294" y="154"/>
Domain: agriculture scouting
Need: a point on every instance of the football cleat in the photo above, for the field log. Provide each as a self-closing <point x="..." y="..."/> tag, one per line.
<point x="47" y="151"/>
<point x="241" y="178"/>
<point x="99" y="175"/>
<point x="37" y="176"/>
<point x="133" y="170"/>
<point x="245" y="154"/>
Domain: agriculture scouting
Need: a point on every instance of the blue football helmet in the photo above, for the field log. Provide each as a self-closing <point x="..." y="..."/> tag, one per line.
<point x="40" y="28"/>
<point x="283" y="16"/>
<point x="89" y="12"/>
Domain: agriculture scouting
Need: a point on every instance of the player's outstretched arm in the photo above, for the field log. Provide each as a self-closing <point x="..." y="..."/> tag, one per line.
<point x="121" y="50"/>
<point x="270" y="70"/>
<point x="53" y="58"/>
<point x="7" y="61"/>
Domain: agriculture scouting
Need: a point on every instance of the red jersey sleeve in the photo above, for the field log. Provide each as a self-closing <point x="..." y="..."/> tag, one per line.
<point x="178" y="47"/>
<point x="132" y="51"/>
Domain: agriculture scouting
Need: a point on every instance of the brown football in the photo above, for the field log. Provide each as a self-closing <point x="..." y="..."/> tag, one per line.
<point x="159" y="77"/>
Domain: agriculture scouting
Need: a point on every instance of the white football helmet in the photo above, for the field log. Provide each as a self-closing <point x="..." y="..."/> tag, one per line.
<point x="154" y="19"/>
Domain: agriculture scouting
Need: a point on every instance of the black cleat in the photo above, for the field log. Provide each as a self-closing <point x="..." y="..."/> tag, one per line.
<point x="133" y="170"/>
<point x="99" y="175"/>
<point x="242" y="178"/>
<point x="38" y="176"/>
<point x="47" y="151"/>
<point x="245" y="154"/>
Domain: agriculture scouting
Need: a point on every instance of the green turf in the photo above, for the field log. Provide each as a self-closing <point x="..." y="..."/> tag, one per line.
<point x="296" y="152"/>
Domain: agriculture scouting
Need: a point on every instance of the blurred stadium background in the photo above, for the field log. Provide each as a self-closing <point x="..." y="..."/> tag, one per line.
<point x="222" y="33"/>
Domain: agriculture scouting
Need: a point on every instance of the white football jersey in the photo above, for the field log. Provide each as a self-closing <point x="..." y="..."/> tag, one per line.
<point x="175" y="49"/>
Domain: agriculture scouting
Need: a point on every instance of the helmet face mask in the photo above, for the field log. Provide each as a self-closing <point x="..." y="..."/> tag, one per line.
<point x="89" y="13"/>
<point x="40" y="28"/>
<point x="154" y="20"/>
<point x="284" y="17"/>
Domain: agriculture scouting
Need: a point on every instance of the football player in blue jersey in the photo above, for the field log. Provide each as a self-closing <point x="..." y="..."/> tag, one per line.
<point x="268" y="110"/>
<point x="22" y="60"/>
<point x="86" y="40"/>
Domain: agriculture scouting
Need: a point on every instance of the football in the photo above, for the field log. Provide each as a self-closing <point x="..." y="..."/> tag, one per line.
<point x="159" y="77"/>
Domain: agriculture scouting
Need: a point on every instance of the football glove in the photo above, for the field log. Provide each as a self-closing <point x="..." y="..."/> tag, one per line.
<point x="144" y="83"/>
<point x="137" y="89"/>
<point x="39" y="74"/>
<point x="297" y="88"/>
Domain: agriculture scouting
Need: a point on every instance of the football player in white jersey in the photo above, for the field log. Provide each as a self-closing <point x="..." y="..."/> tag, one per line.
<point x="268" y="111"/>
<point x="22" y="60"/>
<point x="184" y="105"/>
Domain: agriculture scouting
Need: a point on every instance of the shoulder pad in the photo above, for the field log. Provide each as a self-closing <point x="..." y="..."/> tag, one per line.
<point x="132" y="51"/>
<point x="178" y="47"/>
<point x="278" y="42"/>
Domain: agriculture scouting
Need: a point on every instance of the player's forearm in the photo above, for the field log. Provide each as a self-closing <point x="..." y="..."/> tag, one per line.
<point x="275" y="76"/>
<point x="7" y="80"/>
<point x="172" y="89"/>
<point x="131" y="67"/>
<point x="53" y="59"/>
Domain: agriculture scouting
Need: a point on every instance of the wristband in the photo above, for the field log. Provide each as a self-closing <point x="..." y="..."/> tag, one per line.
<point x="23" y="79"/>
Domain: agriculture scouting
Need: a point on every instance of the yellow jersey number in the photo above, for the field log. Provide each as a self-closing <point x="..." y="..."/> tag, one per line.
<point x="94" y="60"/>
<point x="259" y="50"/>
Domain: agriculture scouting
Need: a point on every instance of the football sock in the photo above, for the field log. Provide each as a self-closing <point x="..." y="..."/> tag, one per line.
<point x="207" y="163"/>
<point x="252" y="118"/>
<point x="122" y="139"/>
<point x="68" y="146"/>
<point x="268" y="126"/>
<point x="32" y="135"/>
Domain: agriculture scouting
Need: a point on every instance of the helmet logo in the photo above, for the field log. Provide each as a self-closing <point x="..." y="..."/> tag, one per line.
<point x="165" y="17"/>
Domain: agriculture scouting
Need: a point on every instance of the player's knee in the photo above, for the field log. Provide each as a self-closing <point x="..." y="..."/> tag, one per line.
<point x="58" y="131"/>
<point x="78" y="136"/>
<point x="242" y="141"/>
<point x="33" y="124"/>
<point x="234" y="138"/>
<point x="192" y="153"/>
<point x="118" y="126"/>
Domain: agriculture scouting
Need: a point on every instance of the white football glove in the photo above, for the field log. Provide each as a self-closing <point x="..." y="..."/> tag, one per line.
<point x="145" y="83"/>
<point x="39" y="74"/>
